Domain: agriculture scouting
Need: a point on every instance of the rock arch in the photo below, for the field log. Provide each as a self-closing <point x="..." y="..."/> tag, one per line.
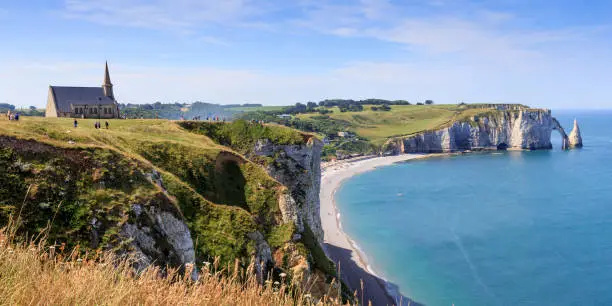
<point x="565" y="140"/>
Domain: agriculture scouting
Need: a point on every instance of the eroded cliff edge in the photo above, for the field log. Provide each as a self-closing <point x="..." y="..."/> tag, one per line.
<point x="497" y="129"/>
<point x="295" y="165"/>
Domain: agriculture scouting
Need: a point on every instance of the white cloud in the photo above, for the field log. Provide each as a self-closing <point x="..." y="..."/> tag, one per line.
<point x="486" y="34"/>
<point x="449" y="57"/>
<point x="182" y="16"/>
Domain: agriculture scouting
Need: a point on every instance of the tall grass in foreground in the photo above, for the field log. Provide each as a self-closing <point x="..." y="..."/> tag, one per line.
<point x="39" y="273"/>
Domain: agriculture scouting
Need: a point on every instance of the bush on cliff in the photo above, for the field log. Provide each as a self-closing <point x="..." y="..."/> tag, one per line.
<point x="242" y="135"/>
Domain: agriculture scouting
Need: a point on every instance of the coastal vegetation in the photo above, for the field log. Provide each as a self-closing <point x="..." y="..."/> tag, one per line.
<point x="351" y="132"/>
<point x="96" y="186"/>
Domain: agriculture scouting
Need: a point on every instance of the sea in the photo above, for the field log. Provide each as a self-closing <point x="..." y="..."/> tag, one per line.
<point x="501" y="228"/>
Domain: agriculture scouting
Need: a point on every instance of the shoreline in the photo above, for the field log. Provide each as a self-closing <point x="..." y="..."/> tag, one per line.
<point x="338" y="245"/>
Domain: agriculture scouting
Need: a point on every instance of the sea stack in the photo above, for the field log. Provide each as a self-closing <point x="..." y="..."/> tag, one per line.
<point x="575" y="139"/>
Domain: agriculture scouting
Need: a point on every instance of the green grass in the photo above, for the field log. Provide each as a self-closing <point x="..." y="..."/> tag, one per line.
<point x="222" y="195"/>
<point x="242" y="136"/>
<point x="378" y="126"/>
<point x="403" y="120"/>
<point x="59" y="131"/>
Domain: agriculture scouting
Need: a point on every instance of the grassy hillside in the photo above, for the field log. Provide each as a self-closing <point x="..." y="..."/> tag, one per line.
<point x="82" y="173"/>
<point x="377" y="126"/>
<point x="370" y="126"/>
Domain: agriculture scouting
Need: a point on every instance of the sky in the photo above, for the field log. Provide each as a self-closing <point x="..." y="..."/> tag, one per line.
<point x="553" y="54"/>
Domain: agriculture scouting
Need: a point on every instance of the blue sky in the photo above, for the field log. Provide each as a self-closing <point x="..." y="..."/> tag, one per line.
<point x="552" y="54"/>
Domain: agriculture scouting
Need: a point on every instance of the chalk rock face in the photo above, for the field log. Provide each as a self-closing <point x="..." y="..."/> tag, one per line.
<point x="299" y="168"/>
<point x="575" y="139"/>
<point x="263" y="256"/>
<point x="509" y="129"/>
<point x="159" y="236"/>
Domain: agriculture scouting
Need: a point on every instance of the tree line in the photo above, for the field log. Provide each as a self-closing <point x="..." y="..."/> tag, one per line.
<point x="347" y="105"/>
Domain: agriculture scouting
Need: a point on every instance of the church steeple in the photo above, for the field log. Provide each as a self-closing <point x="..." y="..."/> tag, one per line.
<point x="107" y="86"/>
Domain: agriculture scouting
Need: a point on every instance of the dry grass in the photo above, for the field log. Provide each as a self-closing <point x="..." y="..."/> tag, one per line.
<point x="39" y="273"/>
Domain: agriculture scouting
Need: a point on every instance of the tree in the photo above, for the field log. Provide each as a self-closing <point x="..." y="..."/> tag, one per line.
<point x="311" y="105"/>
<point x="7" y="106"/>
<point x="32" y="108"/>
<point x="419" y="103"/>
<point x="429" y="102"/>
<point x="299" y="107"/>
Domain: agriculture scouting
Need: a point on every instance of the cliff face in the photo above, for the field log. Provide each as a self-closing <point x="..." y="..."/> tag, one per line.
<point x="298" y="168"/>
<point x="100" y="200"/>
<point x="507" y="129"/>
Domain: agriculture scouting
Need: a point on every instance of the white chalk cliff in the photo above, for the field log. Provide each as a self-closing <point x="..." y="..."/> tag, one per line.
<point x="527" y="129"/>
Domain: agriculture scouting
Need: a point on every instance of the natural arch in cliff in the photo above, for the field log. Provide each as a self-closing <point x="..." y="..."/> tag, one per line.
<point x="564" y="139"/>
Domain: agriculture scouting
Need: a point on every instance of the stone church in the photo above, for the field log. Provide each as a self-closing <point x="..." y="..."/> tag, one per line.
<point x="83" y="102"/>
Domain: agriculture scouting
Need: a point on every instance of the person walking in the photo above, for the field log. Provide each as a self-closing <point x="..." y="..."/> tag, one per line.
<point x="106" y="123"/>
<point x="76" y="123"/>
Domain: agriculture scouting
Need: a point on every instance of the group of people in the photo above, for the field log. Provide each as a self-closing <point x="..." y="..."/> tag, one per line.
<point x="208" y="118"/>
<point x="97" y="124"/>
<point x="260" y="122"/>
<point x="12" y="116"/>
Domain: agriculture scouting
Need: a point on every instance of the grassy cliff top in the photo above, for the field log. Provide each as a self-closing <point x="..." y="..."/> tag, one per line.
<point x="222" y="195"/>
<point x="401" y="120"/>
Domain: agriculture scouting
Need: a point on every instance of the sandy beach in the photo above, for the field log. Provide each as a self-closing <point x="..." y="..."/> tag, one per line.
<point x="338" y="245"/>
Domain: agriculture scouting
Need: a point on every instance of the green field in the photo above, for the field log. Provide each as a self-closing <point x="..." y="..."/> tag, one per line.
<point x="378" y="126"/>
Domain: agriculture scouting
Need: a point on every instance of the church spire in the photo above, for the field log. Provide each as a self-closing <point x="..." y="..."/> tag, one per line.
<point x="107" y="86"/>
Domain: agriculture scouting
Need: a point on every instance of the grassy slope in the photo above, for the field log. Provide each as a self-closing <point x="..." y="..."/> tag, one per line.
<point x="402" y="120"/>
<point x="220" y="210"/>
<point x="377" y="126"/>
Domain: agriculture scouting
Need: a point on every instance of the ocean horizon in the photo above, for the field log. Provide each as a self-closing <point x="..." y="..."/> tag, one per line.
<point x="497" y="228"/>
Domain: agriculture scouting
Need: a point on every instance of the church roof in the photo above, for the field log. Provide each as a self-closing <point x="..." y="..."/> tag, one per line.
<point x="65" y="96"/>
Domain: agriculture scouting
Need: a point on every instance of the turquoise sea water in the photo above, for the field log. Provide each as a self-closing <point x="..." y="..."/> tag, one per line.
<point x="516" y="228"/>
